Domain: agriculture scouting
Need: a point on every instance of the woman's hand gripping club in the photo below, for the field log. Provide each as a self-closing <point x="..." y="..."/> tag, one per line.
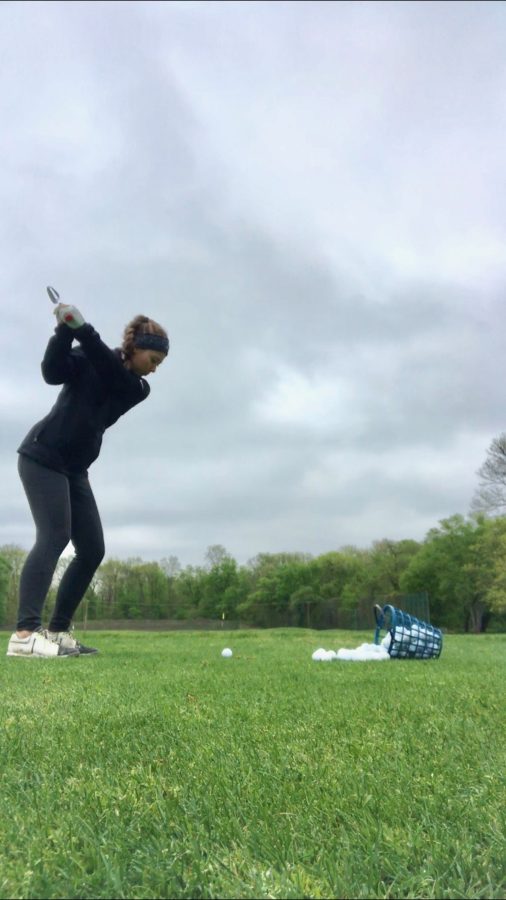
<point x="65" y="314"/>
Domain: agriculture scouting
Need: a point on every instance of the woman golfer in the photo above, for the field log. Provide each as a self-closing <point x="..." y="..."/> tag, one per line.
<point x="99" y="386"/>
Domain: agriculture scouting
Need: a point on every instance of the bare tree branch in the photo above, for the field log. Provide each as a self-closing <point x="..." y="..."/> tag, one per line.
<point x="490" y="496"/>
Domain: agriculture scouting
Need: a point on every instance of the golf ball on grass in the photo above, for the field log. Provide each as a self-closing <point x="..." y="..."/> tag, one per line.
<point x="226" y="652"/>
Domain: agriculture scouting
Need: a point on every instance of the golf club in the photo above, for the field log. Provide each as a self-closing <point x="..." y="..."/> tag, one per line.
<point x="69" y="316"/>
<point x="53" y="295"/>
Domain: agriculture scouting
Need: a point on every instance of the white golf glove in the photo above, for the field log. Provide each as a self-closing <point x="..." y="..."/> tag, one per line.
<point x="68" y="315"/>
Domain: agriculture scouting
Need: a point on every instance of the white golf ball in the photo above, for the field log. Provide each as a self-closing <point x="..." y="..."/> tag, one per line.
<point x="226" y="652"/>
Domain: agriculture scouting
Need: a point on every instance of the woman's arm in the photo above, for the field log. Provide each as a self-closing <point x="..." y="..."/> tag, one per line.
<point x="108" y="365"/>
<point x="59" y="364"/>
<point x="105" y="362"/>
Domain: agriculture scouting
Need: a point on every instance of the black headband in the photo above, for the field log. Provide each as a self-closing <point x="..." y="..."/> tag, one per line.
<point x="146" y="341"/>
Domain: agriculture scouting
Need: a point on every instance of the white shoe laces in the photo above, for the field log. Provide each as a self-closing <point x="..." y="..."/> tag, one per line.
<point x="44" y="633"/>
<point x="70" y="634"/>
<point x="58" y="635"/>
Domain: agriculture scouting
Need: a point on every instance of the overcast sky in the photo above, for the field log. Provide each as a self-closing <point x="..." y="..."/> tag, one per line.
<point x="310" y="197"/>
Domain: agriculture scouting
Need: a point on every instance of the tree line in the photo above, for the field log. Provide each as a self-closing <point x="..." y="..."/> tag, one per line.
<point x="461" y="566"/>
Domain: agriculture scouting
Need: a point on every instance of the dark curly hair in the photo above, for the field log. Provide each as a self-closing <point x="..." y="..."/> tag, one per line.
<point x="139" y="325"/>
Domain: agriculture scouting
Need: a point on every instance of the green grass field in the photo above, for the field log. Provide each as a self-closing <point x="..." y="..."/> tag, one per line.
<point x="157" y="769"/>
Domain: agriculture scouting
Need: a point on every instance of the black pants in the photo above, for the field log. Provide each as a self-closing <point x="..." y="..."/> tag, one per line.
<point x="64" y="510"/>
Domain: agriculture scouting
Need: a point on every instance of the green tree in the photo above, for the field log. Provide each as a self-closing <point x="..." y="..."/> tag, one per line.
<point x="15" y="557"/>
<point x="487" y="564"/>
<point x="220" y="590"/>
<point x="268" y="602"/>
<point x="302" y="601"/>
<point x="336" y="580"/>
<point x="447" y="566"/>
<point x="341" y="575"/>
<point x="5" y="574"/>
<point x="188" y="589"/>
<point x="220" y="570"/>
<point x="388" y="560"/>
<point x="108" y="585"/>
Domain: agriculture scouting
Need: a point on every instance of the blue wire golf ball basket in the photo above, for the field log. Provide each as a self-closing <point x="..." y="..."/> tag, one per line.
<point x="410" y="638"/>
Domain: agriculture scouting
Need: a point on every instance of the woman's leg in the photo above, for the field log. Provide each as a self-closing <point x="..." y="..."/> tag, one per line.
<point x="88" y="540"/>
<point x="49" y="498"/>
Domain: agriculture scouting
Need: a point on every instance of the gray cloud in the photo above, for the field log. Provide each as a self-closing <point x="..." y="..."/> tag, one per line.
<point x="310" y="198"/>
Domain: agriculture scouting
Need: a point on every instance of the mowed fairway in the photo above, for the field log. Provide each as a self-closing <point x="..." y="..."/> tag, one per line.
<point x="158" y="769"/>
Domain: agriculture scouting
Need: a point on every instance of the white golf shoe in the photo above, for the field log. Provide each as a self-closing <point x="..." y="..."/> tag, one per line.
<point x="66" y="639"/>
<point x="38" y="644"/>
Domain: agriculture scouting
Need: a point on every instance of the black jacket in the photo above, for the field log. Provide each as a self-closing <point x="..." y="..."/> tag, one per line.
<point x="97" y="390"/>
